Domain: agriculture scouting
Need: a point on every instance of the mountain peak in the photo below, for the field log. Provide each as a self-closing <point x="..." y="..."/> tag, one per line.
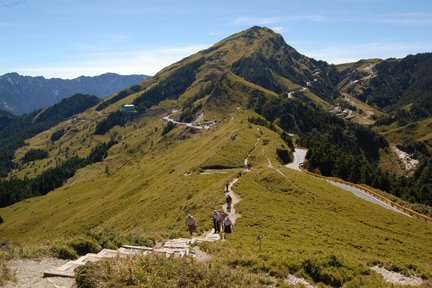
<point x="257" y="29"/>
<point x="257" y="32"/>
<point x="246" y="43"/>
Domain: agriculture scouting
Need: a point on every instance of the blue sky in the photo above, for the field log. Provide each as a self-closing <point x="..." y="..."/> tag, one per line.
<point x="69" y="38"/>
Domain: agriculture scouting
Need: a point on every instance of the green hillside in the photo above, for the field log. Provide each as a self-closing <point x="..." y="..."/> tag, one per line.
<point x="16" y="129"/>
<point x="419" y="131"/>
<point x="139" y="175"/>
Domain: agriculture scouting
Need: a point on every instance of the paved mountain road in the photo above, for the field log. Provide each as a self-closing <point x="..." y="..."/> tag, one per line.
<point x="300" y="157"/>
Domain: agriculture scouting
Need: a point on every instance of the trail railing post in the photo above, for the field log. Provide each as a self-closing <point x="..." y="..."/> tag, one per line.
<point x="259" y="238"/>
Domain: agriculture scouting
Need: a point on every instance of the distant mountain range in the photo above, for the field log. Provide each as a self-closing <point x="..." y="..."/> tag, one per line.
<point x="22" y="94"/>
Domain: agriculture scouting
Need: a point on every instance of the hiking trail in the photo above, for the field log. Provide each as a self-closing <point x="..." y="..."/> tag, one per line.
<point x="179" y="247"/>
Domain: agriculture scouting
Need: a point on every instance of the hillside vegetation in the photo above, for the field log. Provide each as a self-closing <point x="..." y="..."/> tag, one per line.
<point x="19" y="128"/>
<point x="247" y="100"/>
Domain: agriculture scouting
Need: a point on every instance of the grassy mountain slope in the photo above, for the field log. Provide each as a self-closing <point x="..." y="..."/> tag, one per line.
<point x="19" y="128"/>
<point x="316" y="222"/>
<point x="156" y="193"/>
<point x="302" y="219"/>
<point x="152" y="177"/>
<point x="419" y="131"/>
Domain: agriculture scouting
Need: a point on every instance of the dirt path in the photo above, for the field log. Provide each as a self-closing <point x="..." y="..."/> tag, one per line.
<point x="29" y="274"/>
<point x="233" y="215"/>
<point x="246" y="161"/>
<point x="398" y="278"/>
<point x="270" y="165"/>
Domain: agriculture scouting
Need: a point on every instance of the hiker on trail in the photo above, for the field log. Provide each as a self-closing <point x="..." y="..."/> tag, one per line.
<point x="227" y="186"/>
<point x="216" y="217"/>
<point x="229" y="201"/>
<point x="227" y="225"/>
<point x="223" y="216"/>
<point x="190" y="222"/>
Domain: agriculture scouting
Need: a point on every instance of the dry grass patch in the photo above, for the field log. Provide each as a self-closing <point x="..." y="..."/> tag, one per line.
<point x="159" y="271"/>
<point x="5" y="273"/>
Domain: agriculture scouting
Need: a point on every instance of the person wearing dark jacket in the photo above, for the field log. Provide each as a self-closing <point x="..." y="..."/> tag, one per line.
<point x="190" y="222"/>
<point x="229" y="201"/>
<point x="227" y="225"/>
<point x="216" y="217"/>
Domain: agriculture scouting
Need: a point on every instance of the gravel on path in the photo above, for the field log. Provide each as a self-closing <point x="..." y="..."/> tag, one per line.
<point x="29" y="274"/>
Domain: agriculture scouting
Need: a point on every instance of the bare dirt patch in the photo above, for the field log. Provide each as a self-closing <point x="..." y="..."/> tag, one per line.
<point x="29" y="274"/>
<point x="409" y="162"/>
<point x="398" y="278"/>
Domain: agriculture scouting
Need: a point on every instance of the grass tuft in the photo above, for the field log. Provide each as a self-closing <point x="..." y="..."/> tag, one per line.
<point x="66" y="252"/>
<point x="159" y="271"/>
<point x="5" y="274"/>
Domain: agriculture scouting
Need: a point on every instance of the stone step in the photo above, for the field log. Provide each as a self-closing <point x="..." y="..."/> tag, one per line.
<point x="172" y="253"/>
<point x="176" y="245"/>
<point x="57" y="273"/>
<point x="137" y="247"/>
<point x="181" y="240"/>
<point x="126" y="251"/>
<point x="90" y="257"/>
<point x="108" y="253"/>
<point x="70" y="266"/>
<point x="208" y="238"/>
<point x="179" y="247"/>
<point x="67" y="270"/>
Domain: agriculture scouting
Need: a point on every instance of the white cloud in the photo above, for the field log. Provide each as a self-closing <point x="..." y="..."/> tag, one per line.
<point x="147" y="62"/>
<point x="415" y="19"/>
<point x="10" y="3"/>
<point x="278" y="29"/>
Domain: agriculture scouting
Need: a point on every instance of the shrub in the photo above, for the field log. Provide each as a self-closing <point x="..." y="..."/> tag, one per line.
<point x="141" y="241"/>
<point x="99" y="152"/>
<point x="57" y="135"/>
<point x="1" y="220"/>
<point x="35" y="154"/>
<point x="189" y="113"/>
<point x="331" y="270"/>
<point x="284" y="156"/>
<point x="83" y="246"/>
<point x="170" y="126"/>
<point x="113" y="119"/>
<point x="66" y="252"/>
<point x="107" y="239"/>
